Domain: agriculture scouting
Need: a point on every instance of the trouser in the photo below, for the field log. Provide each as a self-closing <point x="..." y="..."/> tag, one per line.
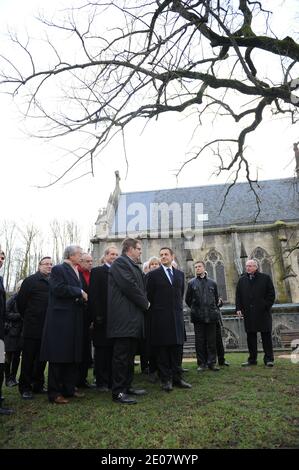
<point x="219" y="345"/>
<point x="124" y="350"/>
<point x="12" y="361"/>
<point x="32" y="369"/>
<point x="169" y="361"/>
<point x="62" y="378"/>
<point x="86" y="361"/>
<point x="103" y="365"/>
<point x="205" y="343"/>
<point x="267" y="346"/>
<point x="1" y="380"/>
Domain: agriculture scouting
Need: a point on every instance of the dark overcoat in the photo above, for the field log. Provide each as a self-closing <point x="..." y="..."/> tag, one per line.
<point x="2" y="307"/>
<point x="62" y="335"/>
<point x="32" y="303"/>
<point x="97" y="301"/>
<point x="127" y="299"/>
<point x="255" y="298"/>
<point x="13" y="326"/>
<point x="166" y="310"/>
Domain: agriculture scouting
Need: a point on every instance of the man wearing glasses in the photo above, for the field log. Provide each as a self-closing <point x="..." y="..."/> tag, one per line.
<point x="32" y="302"/>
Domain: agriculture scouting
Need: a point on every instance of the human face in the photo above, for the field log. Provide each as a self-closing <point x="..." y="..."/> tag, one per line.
<point x="199" y="269"/>
<point x="45" y="266"/>
<point x="251" y="266"/>
<point x="135" y="253"/>
<point x="154" y="265"/>
<point x="2" y="259"/>
<point x="86" y="262"/>
<point x="166" y="257"/>
<point x="76" y="257"/>
<point x="111" y="256"/>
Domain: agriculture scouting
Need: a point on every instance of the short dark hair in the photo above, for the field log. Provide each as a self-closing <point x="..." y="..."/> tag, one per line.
<point x="200" y="262"/>
<point x="129" y="243"/>
<point x="167" y="248"/>
<point x="42" y="259"/>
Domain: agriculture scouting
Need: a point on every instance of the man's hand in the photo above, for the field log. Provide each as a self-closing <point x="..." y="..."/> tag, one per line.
<point x="239" y="313"/>
<point x="85" y="296"/>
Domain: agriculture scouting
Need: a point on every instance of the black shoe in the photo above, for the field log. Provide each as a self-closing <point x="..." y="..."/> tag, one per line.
<point x="182" y="384"/>
<point x="124" y="399"/>
<point x="136" y="391"/>
<point x="86" y="385"/>
<point x="11" y="383"/>
<point x="214" y="368"/>
<point x="225" y="363"/>
<point x="269" y="364"/>
<point x="202" y="368"/>
<point x="6" y="411"/>
<point x="27" y="395"/>
<point x="184" y="369"/>
<point x="167" y="386"/>
<point x="248" y="364"/>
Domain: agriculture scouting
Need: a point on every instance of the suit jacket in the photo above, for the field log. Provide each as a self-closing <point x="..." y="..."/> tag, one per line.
<point x="62" y="335"/>
<point x="32" y="303"/>
<point x="127" y="299"/>
<point x="97" y="302"/>
<point x="166" y="310"/>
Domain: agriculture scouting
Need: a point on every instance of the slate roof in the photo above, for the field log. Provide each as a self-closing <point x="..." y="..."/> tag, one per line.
<point x="279" y="201"/>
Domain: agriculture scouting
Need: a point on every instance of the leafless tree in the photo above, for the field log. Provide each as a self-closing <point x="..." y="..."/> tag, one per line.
<point x="105" y="64"/>
<point x="29" y="235"/>
<point x="8" y="238"/>
<point x="63" y="233"/>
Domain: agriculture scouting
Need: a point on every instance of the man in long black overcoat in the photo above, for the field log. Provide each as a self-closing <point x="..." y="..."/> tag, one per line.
<point x="255" y="296"/>
<point x="63" y="329"/>
<point x="165" y="290"/>
<point x="97" y="302"/>
<point x="127" y="303"/>
<point x="32" y="303"/>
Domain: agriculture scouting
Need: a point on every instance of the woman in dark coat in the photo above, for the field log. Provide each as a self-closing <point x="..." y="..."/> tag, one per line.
<point x="12" y="339"/>
<point x="255" y="296"/>
<point x="3" y="411"/>
<point x="62" y="336"/>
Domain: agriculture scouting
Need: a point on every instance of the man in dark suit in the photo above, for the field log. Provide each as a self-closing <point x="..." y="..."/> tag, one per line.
<point x="255" y="296"/>
<point x="3" y="411"/>
<point x="127" y="303"/>
<point x="97" y="302"/>
<point x="165" y="290"/>
<point x="62" y="335"/>
<point x="32" y="303"/>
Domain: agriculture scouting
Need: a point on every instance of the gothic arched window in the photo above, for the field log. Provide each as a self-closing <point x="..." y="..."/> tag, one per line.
<point x="215" y="270"/>
<point x="264" y="261"/>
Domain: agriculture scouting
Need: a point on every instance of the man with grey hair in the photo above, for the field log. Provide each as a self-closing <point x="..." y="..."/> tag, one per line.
<point x="62" y="336"/>
<point x="255" y="296"/>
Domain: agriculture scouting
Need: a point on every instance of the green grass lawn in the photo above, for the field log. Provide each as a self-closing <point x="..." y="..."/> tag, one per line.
<point x="234" y="408"/>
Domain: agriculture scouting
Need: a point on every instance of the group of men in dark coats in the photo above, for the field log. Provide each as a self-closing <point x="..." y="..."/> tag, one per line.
<point x="118" y="299"/>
